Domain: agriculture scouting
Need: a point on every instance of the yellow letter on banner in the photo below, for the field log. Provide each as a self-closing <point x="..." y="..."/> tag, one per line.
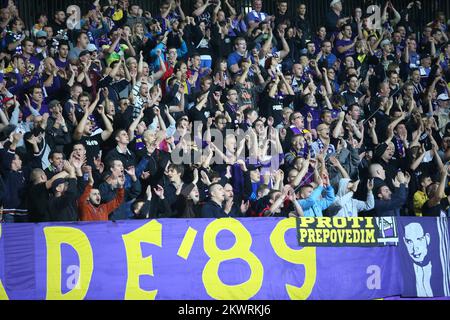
<point x="150" y="232"/>
<point x="77" y="239"/>
<point x="305" y="256"/>
<point x="3" y="295"/>
<point x="240" y="250"/>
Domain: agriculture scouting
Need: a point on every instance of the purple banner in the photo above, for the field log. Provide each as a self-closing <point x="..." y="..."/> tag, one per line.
<point x="425" y="252"/>
<point x="187" y="259"/>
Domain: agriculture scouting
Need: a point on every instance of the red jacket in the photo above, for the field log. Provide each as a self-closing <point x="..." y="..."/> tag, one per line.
<point x="89" y="212"/>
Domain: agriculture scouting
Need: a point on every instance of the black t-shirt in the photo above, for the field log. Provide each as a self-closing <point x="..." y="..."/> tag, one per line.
<point x="274" y="107"/>
<point x="434" y="211"/>
<point x="93" y="146"/>
<point x="206" y="16"/>
<point x="351" y="98"/>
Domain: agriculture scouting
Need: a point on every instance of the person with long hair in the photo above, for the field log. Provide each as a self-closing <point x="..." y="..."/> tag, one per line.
<point x="188" y="202"/>
<point x="221" y="75"/>
<point x="302" y="23"/>
<point x="138" y="39"/>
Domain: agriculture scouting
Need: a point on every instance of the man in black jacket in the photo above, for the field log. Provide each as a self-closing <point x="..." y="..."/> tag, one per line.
<point x="213" y="208"/>
<point x="62" y="204"/>
<point x="121" y="152"/>
<point x="109" y="188"/>
<point x="38" y="194"/>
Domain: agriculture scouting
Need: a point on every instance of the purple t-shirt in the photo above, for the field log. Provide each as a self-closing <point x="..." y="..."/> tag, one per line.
<point x="345" y="43"/>
<point x="315" y="112"/>
<point x="27" y="112"/>
<point x="61" y="64"/>
<point x="34" y="61"/>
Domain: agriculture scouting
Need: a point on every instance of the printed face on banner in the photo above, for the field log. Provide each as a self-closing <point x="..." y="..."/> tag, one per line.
<point x="424" y="255"/>
<point x="416" y="241"/>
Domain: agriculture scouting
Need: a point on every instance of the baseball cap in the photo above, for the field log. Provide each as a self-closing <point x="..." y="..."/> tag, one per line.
<point x="41" y="34"/>
<point x="91" y="47"/>
<point x="333" y="2"/>
<point x="6" y="99"/>
<point x="84" y="52"/>
<point x="443" y="97"/>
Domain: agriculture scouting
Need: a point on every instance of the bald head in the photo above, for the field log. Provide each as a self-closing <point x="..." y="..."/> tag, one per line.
<point x="38" y="176"/>
<point x="377" y="171"/>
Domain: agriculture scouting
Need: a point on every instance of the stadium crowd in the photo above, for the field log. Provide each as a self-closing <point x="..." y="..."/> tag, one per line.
<point x="129" y="114"/>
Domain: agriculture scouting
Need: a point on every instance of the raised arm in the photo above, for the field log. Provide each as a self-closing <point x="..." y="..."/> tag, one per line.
<point x="216" y="11"/>
<point x="273" y="91"/>
<point x="113" y="46"/>
<point x="78" y="133"/>
<point x="285" y="83"/>
<point x="180" y="10"/>
<point x="108" y="125"/>
<point x="162" y="124"/>
<point x="394" y="123"/>
<point x="243" y="77"/>
<point x="162" y="70"/>
<point x="126" y="70"/>
<point x="338" y="127"/>
<point x="232" y="10"/>
<point x="134" y="124"/>
<point x="140" y="67"/>
<point x="440" y="192"/>
<point x="285" y="51"/>
<point x="302" y="173"/>
<point x="266" y="45"/>
<point x="198" y="12"/>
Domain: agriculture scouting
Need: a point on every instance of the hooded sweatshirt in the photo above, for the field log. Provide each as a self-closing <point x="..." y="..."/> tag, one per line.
<point x="315" y="204"/>
<point x="350" y="207"/>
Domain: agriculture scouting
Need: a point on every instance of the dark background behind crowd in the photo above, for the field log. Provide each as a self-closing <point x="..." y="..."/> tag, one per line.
<point x="316" y="9"/>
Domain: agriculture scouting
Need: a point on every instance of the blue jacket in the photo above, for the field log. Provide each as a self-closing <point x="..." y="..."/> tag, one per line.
<point x="391" y="208"/>
<point x="182" y="51"/>
<point x="313" y="206"/>
<point x="132" y="191"/>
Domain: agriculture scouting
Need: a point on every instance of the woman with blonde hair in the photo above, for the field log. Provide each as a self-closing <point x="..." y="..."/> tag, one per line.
<point x="138" y="37"/>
